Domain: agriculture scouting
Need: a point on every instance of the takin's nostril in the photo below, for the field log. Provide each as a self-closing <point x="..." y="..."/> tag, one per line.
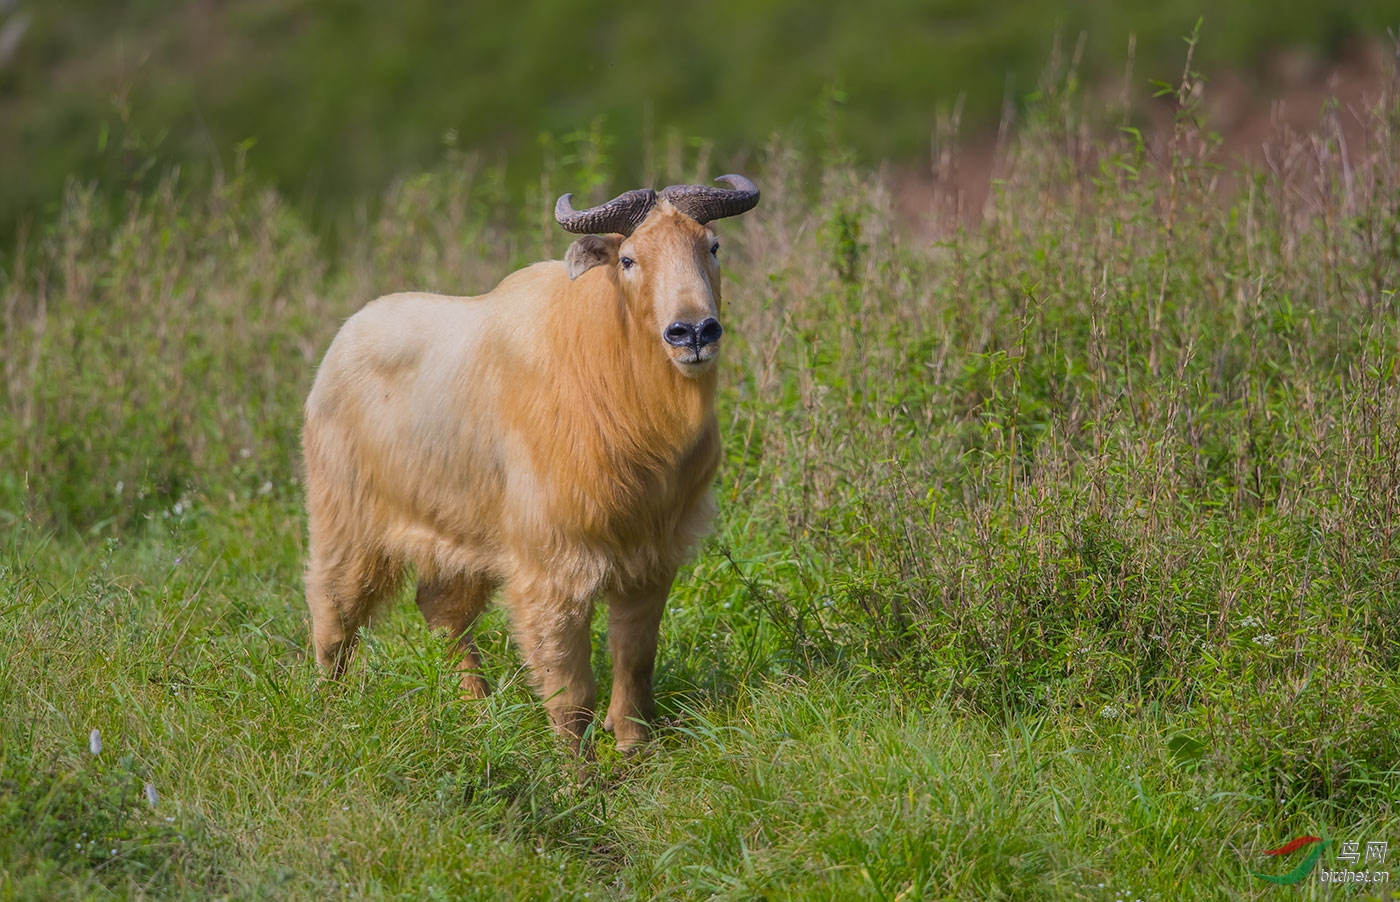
<point x="708" y="331"/>
<point x="679" y="334"/>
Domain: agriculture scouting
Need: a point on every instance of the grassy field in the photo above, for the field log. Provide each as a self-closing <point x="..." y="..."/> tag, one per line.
<point x="1057" y="557"/>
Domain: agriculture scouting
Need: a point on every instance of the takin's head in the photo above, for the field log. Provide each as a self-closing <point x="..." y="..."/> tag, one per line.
<point x="666" y="259"/>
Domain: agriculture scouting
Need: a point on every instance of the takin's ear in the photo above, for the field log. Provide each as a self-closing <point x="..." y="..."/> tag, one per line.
<point x="590" y="251"/>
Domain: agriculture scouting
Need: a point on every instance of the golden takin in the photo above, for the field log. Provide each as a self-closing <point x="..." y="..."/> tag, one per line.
<point x="554" y="439"/>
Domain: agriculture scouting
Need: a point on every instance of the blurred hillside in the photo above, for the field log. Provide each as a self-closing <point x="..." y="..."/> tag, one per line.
<point x="331" y="100"/>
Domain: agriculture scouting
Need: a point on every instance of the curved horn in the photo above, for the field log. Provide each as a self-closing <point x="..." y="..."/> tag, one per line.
<point x="621" y="214"/>
<point x="705" y="204"/>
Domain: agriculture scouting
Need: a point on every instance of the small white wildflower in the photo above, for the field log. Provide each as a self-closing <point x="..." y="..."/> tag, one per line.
<point x="266" y="487"/>
<point x="120" y="485"/>
<point x="1249" y="622"/>
<point x="1109" y="712"/>
<point x="178" y="509"/>
<point x="245" y="453"/>
<point x="1265" y="639"/>
<point x="151" y="795"/>
<point x="95" y="741"/>
<point x="170" y="820"/>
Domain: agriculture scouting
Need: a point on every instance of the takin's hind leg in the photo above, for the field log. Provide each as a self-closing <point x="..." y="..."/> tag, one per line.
<point x="453" y="604"/>
<point x="342" y="591"/>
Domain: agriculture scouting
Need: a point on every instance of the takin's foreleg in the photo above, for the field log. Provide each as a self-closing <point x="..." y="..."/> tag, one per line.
<point x="453" y="604"/>
<point x="634" y="624"/>
<point x="552" y="630"/>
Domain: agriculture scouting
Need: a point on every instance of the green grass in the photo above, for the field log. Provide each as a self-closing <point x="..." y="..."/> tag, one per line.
<point x="1056" y="556"/>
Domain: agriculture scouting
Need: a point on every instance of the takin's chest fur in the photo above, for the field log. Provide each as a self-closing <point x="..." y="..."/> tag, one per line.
<point x="620" y="474"/>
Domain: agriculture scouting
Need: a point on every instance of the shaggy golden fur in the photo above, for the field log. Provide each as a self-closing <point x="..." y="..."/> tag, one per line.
<point x="542" y="440"/>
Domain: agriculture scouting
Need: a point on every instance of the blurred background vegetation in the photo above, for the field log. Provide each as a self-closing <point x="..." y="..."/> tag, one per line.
<point x="331" y="100"/>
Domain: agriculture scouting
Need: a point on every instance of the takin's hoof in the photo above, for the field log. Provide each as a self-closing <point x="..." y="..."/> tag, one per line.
<point x="474" y="687"/>
<point x="633" y="739"/>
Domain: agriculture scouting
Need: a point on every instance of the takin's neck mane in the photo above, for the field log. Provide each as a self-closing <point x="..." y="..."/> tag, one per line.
<point x="622" y="425"/>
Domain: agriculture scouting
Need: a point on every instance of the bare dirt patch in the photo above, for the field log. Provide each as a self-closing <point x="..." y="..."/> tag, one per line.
<point x="1257" y="117"/>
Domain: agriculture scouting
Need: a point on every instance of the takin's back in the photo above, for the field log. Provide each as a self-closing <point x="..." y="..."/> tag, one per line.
<point x="402" y="448"/>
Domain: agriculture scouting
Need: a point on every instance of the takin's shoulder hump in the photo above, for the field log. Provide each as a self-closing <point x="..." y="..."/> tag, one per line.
<point x="536" y="282"/>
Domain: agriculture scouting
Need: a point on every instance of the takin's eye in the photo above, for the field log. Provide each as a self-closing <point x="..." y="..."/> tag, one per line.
<point x="714" y="249"/>
<point x="626" y="262"/>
